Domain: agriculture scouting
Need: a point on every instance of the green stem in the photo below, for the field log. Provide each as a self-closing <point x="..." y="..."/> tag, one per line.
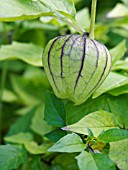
<point x="93" y="16"/>
<point x="3" y="79"/>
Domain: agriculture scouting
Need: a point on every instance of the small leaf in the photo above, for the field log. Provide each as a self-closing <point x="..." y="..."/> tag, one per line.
<point x="96" y="121"/>
<point x="13" y="10"/>
<point x="19" y="138"/>
<point x="54" y="112"/>
<point x="39" y="125"/>
<point x="113" y="81"/>
<point x="119" y="153"/>
<point x="112" y="135"/>
<point x="69" y="143"/>
<point x="120" y="10"/>
<point x="94" y="161"/>
<point x="118" y="52"/>
<point x="34" y="148"/>
<point x="29" y="53"/>
<point x="12" y="156"/>
<point x="121" y="65"/>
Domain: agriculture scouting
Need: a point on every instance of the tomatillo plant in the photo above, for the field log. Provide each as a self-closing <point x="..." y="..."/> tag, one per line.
<point x="76" y="65"/>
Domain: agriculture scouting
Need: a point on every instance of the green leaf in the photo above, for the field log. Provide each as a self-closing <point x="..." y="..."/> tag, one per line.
<point x="113" y="81"/>
<point x="19" y="138"/>
<point x="96" y="121"/>
<point x="54" y="112"/>
<point x="29" y="53"/>
<point x="119" y="153"/>
<point x="118" y="51"/>
<point x="11" y="156"/>
<point x="120" y="10"/>
<point x="75" y="113"/>
<point x="34" y="148"/>
<point x="69" y="143"/>
<point x="94" y="161"/>
<point x="38" y="124"/>
<point x="119" y="106"/>
<point x="64" y="7"/>
<point x="121" y="65"/>
<point x="112" y="135"/>
<point x="119" y="90"/>
<point x="12" y="10"/>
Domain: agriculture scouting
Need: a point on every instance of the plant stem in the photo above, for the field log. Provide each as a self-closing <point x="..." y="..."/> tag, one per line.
<point x="3" y="79"/>
<point x="93" y="16"/>
<point x="69" y="21"/>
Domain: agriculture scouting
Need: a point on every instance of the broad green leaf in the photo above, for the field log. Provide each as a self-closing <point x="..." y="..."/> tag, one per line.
<point x="119" y="107"/>
<point x="34" y="148"/>
<point x="12" y="156"/>
<point x="67" y="160"/>
<point x="55" y="135"/>
<point x="113" y="81"/>
<point x="119" y="153"/>
<point x="69" y="143"/>
<point x="118" y="51"/>
<point x="75" y="113"/>
<point x="120" y="10"/>
<point x="96" y="121"/>
<point x="29" y="53"/>
<point x="119" y="90"/>
<point x="94" y="161"/>
<point x="64" y="7"/>
<point x="121" y="65"/>
<point x="112" y="135"/>
<point x="54" y="112"/>
<point x="38" y="124"/>
<point x="12" y="10"/>
<point x="19" y="138"/>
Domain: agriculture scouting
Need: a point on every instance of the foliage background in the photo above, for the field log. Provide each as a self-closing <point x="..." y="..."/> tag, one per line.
<point x="31" y="117"/>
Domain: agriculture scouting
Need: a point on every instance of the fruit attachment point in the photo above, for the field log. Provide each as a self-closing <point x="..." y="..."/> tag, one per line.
<point x="86" y="34"/>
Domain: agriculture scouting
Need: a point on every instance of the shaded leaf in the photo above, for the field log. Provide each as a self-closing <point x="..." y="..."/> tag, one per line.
<point x="113" y="81"/>
<point x="29" y="53"/>
<point x="119" y="153"/>
<point x="69" y="143"/>
<point x="94" y="161"/>
<point x="55" y="135"/>
<point x="11" y="156"/>
<point x="75" y="113"/>
<point x="119" y="107"/>
<point x="54" y="112"/>
<point x="96" y="121"/>
<point x="112" y="135"/>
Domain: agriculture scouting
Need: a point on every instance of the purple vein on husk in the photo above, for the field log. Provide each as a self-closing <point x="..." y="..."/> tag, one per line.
<point x="49" y="65"/>
<point x="82" y="64"/>
<point x="62" y="54"/>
